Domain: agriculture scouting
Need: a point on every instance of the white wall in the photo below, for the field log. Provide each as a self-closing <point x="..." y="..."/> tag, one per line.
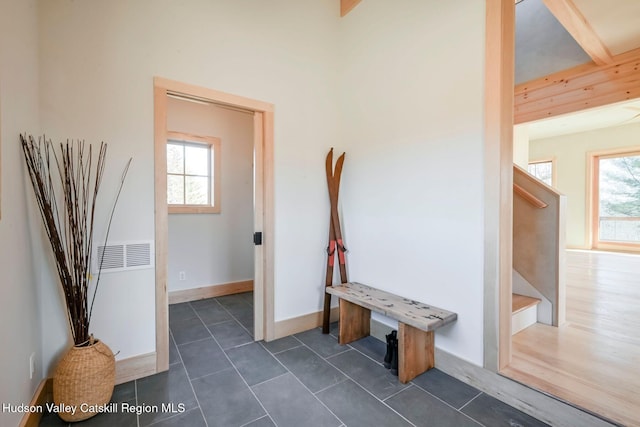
<point x="19" y="315"/>
<point x="215" y="248"/>
<point x="97" y="65"/>
<point x="521" y="145"/>
<point x="398" y="98"/>
<point x="412" y="187"/>
<point x="570" y="152"/>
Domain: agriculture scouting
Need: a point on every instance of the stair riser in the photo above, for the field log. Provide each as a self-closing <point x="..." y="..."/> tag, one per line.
<point x="523" y="319"/>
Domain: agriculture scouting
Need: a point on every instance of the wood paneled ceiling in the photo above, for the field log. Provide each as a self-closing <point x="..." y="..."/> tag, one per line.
<point x="554" y="35"/>
<point x="608" y="35"/>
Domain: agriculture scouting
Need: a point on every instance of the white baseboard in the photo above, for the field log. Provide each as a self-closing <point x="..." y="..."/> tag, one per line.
<point x="210" y="291"/>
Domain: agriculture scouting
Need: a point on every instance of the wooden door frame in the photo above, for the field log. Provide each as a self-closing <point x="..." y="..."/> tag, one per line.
<point x="559" y="93"/>
<point x="498" y="186"/>
<point x="263" y="209"/>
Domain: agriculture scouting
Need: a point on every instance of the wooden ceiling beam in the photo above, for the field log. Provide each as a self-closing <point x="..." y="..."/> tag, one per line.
<point x="579" y="88"/>
<point x="347" y="5"/>
<point x="577" y="25"/>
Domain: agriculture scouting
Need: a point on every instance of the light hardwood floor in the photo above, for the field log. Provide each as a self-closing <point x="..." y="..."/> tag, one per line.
<point x="593" y="360"/>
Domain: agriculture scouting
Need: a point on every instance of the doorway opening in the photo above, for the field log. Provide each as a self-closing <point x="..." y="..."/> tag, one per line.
<point x="260" y="115"/>
<point x="596" y="164"/>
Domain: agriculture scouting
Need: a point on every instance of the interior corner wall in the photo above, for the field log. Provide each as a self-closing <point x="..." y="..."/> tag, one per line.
<point x="570" y="152"/>
<point x="387" y="84"/>
<point x="412" y="107"/>
<point x="213" y="249"/>
<point x="97" y="63"/>
<point x="19" y="311"/>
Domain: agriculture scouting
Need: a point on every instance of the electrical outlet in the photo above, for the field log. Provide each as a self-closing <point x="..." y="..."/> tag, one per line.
<point x="32" y="365"/>
<point x="182" y="275"/>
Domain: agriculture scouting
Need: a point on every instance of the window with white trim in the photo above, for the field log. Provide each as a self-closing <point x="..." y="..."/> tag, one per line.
<point x="543" y="170"/>
<point x="193" y="173"/>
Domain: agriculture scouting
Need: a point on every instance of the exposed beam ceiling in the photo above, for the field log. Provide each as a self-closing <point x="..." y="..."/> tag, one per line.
<point x="577" y="25"/>
<point x="543" y="45"/>
<point x="582" y="97"/>
<point x="579" y="88"/>
<point x="616" y="22"/>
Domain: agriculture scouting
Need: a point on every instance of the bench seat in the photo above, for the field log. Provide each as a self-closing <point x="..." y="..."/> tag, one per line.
<point x="416" y="323"/>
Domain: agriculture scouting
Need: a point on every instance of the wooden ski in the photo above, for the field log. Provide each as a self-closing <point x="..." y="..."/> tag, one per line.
<point x="336" y="243"/>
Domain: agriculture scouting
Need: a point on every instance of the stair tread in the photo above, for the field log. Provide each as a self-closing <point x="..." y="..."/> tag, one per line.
<point x="522" y="302"/>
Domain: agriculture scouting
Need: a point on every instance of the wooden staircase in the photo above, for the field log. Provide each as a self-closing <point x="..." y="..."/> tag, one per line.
<point x="524" y="312"/>
<point x="539" y="229"/>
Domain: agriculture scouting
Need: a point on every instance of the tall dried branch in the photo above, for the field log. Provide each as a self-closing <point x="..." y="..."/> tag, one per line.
<point x="66" y="186"/>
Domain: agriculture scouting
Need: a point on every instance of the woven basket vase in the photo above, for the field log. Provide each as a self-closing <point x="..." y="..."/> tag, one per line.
<point x="84" y="378"/>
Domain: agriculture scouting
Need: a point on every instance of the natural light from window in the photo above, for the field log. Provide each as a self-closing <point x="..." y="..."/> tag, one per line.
<point x="193" y="173"/>
<point x="188" y="174"/>
<point x="542" y="170"/>
<point x="619" y="198"/>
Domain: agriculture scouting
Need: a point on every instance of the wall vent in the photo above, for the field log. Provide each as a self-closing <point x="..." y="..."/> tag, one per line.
<point x="122" y="256"/>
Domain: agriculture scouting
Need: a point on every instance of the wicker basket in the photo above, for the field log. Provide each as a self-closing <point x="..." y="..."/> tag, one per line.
<point x="84" y="379"/>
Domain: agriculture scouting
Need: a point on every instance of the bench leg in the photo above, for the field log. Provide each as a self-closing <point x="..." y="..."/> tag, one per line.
<point x="355" y="322"/>
<point x="415" y="352"/>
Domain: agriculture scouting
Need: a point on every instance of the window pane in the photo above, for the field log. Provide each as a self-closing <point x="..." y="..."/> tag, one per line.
<point x="175" y="158"/>
<point x="619" y="194"/>
<point x="197" y="190"/>
<point x="197" y="159"/>
<point x="175" y="189"/>
<point x="543" y="171"/>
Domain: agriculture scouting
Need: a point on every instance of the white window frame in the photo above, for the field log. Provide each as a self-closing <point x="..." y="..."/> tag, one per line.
<point x="214" y="145"/>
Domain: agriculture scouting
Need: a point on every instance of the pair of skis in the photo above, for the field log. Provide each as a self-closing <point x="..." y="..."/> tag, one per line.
<point x="335" y="234"/>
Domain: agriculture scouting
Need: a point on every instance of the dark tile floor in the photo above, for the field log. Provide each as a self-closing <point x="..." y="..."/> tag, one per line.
<point x="219" y="376"/>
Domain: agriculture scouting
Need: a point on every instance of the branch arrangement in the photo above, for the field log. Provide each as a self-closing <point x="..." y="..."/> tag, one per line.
<point x="66" y="185"/>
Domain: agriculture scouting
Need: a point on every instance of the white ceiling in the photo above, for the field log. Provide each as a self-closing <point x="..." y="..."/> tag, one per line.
<point x="616" y="22"/>
<point x="596" y="118"/>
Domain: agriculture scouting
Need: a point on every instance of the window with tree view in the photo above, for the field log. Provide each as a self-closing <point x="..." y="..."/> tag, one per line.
<point x="193" y="175"/>
<point x="542" y="170"/>
<point x="619" y="198"/>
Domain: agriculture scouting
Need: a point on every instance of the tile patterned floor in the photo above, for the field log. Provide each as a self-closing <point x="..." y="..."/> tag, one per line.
<point x="219" y="377"/>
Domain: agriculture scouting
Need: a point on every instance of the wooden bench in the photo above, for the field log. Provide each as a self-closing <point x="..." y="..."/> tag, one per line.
<point x="416" y="323"/>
